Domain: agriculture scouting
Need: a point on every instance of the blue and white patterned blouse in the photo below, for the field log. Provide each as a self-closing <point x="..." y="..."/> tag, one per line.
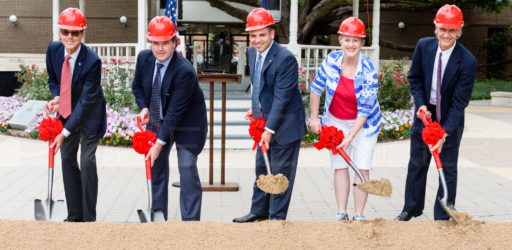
<point x="365" y="85"/>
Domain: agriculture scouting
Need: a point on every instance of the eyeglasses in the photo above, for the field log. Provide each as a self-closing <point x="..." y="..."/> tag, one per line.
<point x="73" y="33"/>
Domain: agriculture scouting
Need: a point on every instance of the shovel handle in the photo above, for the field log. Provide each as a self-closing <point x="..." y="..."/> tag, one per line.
<point x="51" y="154"/>
<point x="265" y="158"/>
<point x="435" y="153"/>
<point x="148" y="169"/>
<point x="351" y="164"/>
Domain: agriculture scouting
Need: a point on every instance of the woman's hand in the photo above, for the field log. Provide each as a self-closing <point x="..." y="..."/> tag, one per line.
<point x="345" y="143"/>
<point x="314" y="125"/>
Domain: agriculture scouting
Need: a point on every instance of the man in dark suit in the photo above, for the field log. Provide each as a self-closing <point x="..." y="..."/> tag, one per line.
<point x="74" y="78"/>
<point x="442" y="75"/>
<point x="276" y="97"/>
<point x="166" y="89"/>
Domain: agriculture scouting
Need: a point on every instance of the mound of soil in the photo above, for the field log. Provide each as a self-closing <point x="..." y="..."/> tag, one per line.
<point x="377" y="233"/>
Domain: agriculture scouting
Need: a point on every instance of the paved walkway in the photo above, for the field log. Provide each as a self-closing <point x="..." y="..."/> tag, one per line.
<point x="484" y="189"/>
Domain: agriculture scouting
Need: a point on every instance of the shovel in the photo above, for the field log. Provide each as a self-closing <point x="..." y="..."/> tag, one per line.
<point x="447" y="206"/>
<point x="272" y="184"/>
<point x="380" y="187"/>
<point x="49" y="210"/>
<point x="149" y="215"/>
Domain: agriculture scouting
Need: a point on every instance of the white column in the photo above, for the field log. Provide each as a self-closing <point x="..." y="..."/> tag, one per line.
<point x="81" y="6"/>
<point x="375" y="34"/>
<point x="292" y="45"/>
<point x="157" y="7"/>
<point x="142" y="6"/>
<point x="55" y="19"/>
<point x="355" y="8"/>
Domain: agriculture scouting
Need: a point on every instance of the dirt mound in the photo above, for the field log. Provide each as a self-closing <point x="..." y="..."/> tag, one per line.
<point x="377" y="233"/>
<point x="272" y="184"/>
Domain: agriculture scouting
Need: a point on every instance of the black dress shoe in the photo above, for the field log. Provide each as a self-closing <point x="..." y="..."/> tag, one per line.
<point x="250" y="218"/>
<point x="405" y="216"/>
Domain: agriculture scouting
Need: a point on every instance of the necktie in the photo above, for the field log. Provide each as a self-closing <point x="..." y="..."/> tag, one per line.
<point x="65" y="89"/>
<point x="154" y="104"/>
<point x="438" y="88"/>
<point x="256" y="112"/>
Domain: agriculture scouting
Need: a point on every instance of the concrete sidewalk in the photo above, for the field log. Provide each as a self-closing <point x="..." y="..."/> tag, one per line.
<point x="484" y="188"/>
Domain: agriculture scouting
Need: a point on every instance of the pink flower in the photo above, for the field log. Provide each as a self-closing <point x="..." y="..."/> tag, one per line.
<point x="302" y="85"/>
<point x="127" y="61"/>
<point x="113" y="60"/>
<point x="105" y="61"/>
<point x="308" y="79"/>
<point x="300" y="69"/>
<point x="33" y="66"/>
<point x="119" y="60"/>
<point x="102" y="84"/>
<point x="24" y="83"/>
<point x="303" y="72"/>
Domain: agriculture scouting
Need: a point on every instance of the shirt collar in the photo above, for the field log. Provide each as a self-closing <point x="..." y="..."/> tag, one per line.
<point x="74" y="55"/>
<point x="165" y="63"/>
<point x="448" y="51"/>
<point x="265" y="52"/>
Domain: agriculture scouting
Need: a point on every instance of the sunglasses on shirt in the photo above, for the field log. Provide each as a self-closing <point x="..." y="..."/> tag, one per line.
<point x="74" y="33"/>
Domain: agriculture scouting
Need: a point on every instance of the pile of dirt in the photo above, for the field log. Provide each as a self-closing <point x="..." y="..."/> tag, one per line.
<point x="381" y="187"/>
<point x="377" y="233"/>
<point x="272" y="184"/>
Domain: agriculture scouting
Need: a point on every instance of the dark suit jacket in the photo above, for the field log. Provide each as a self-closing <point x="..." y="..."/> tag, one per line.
<point x="183" y="103"/>
<point x="280" y="98"/>
<point x="456" y="85"/>
<point x="87" y="99"/>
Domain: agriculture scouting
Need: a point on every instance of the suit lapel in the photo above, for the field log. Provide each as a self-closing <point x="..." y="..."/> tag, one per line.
<point x="59" y="61"/>
<point x="79" y="63"/>
<point x="167" y="78"/>
<point x="268" y="60"/>
<point x="451" y="68"/>
<point x="429" y="65"/>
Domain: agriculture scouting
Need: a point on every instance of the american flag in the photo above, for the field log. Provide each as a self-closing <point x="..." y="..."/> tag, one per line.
<point x="170" y="11"/>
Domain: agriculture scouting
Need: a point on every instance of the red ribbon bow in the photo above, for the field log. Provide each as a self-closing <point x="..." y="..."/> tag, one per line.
<point x="143" y="141"/>
<point x="50" y="127"/>
<point x="256" y="129"/>
<point x="330" y="138"/>
<point x="432" y="133"/>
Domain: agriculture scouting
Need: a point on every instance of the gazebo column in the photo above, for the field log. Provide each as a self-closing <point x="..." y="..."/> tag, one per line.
<point x="142" y="19"/>
<point x="81" y="6"/>
<point x="55" y="19"/>
<point x="292" y="43"/>
<point x="375" y="34"/>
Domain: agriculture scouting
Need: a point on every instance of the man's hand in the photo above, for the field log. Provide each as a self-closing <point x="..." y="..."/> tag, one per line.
<point x="438" y="146"/>
<point x="314" y="125"/>
<point x="57" y="142"/>
<point x="425" y="110"/>
<point x="248" y="114"/>
<point x="144" y="116"/>
<point x="53" y="105"/>
<point x="265" y="138"/>
<point x="153" y="153"/>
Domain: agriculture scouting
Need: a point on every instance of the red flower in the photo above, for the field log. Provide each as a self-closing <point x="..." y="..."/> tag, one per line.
<point x="33" y="66"/>
<point x="28" y="73"/>
<point x="308" y="79"/>
<point x="302" y="85"/>
<point x="143" y="141"/>
<point x="50" y="127"/>
<point x="300" y="69"/>
<point x="303" y="72"/>
<point x="127" y="61"/>
<point x="105" y="61"/>
<point x="102" y="84"/>
<point x="112" y="60"/>
<point x="119" y="60"/>
<point x="396" y="84"/>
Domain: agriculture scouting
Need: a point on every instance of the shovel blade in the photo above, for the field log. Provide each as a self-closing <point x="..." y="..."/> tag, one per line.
<point x="147" y="216"/>
<point x="57" y="211"/>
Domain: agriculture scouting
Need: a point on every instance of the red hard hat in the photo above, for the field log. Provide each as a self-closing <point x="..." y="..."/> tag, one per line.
<point x="449" y="17"/>
<point x="72" y="19"/>
<point x="259" y="18"/>
<point x="352" y="26"/>
<point x="161" y="29"/>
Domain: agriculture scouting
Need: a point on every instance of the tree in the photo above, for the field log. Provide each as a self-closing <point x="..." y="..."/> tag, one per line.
<point x="323" y="16"/>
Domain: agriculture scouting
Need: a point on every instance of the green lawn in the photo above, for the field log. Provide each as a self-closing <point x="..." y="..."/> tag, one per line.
<point x="483" y="89"/>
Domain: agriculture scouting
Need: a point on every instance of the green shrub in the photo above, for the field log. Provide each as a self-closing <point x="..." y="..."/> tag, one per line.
<point x="394" y="92"/>
<point x="116" y="84"/>
<point x="34" y="83"/>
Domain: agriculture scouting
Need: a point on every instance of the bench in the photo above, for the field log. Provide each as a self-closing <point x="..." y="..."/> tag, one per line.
<point x="499" y="98"/>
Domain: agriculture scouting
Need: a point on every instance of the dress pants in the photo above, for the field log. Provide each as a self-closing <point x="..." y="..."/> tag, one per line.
<point x="283" y="159"/>
<point x="419" y="163"/>
<point x="190" y="184"/>
<point x="80" y="182"/>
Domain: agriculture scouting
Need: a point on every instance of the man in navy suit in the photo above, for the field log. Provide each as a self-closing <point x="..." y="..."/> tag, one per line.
<point x="167" y="91"/>
<point x="441" y="77"/>
<point x="74" y="78"/>
<point x="276" y="97"/>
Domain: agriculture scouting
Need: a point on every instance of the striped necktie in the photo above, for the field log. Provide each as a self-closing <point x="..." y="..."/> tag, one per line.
<point x="155" y="103"/>
<point x="256" y="111"/>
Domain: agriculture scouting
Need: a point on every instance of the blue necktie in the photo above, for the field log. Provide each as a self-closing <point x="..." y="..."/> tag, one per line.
<point x="256" y="112"/>
<point x="438" y="88"/>
<point x="154" y="104"/>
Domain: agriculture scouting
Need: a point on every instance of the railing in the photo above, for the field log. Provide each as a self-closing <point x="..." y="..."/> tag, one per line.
<point x="311" y="56"/>
<point x="117" y="51"/>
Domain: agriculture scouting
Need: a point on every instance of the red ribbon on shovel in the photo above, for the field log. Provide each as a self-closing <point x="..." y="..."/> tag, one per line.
<point x="49" y="128"/>
<point x="256" y="129"/>
<point x="330" y="138"/>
